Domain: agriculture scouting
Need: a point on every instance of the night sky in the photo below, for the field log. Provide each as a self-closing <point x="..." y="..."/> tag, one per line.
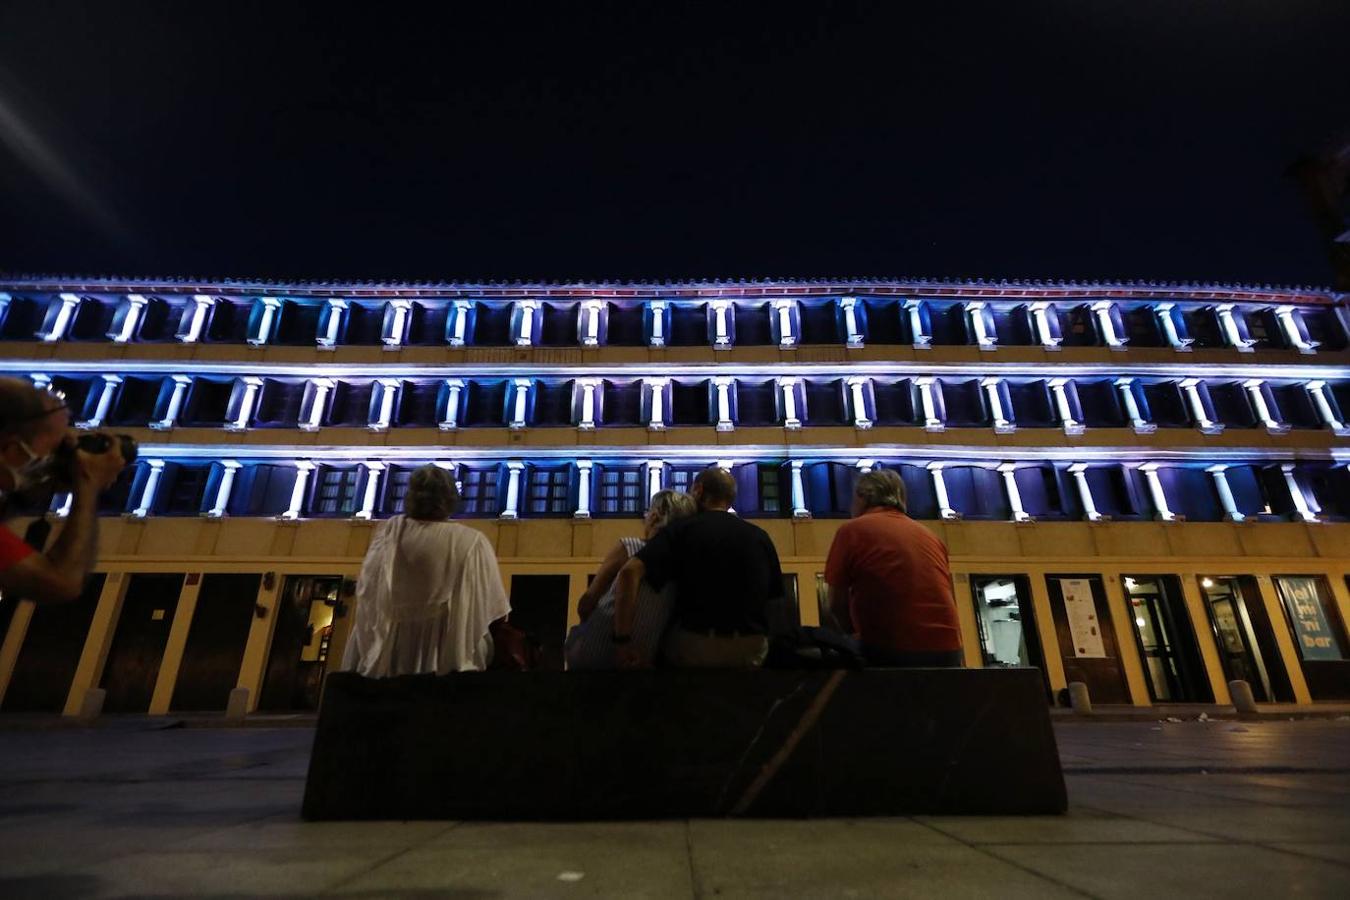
<point x="1091" y="140"/>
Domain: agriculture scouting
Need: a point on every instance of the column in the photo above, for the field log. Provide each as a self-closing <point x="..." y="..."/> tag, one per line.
<point x="587" y="386"/>
<point x="180" y="386"/>
<point x="151" y="485"/>
<point x="584" y="467"/>
<point x="385" y="414"/>
<point x="223" y="491"/>
<point x="1225" y="490"/>
<point x="1071" y="425"/>
<point x="853" y="337"/>
<point x="4" y="303"/>
<point x="458" y="328"/>
<point x="1169" y="326"/>
<point x="655" y="468"/>
<point x="302" y="470"/>
<point x="1079" y="473"/>
<point x="1317" y="390"/>
<point x="453" y="388"/>
<point x="41" y="382"/>
<point x="63" y="317"/>
<point x="106" y="392"/>
<point x="945" y="510"/>
<point x="658" y="308"/>
<point x="996" y="411"/>
<point x="525" y="336"/>
<point x="1191" y="386"/>
<point x="270" y="305"/>
<point x="721" y="340"/>
<point x="1290" y="321"/>
<point x="1102" y="310"/>
<point x="859" y="398"/>
<point x="588" y="326"/>
<point x="397" y="328"/>
<point x="251" y="388"/>
<point x="915" y="309"/>
<point x="1230" y="329"/>
<point x="1040" y="317"/>
<point x="1305" y="512"/>
<point x="1137" y="421"/>
<point x="135" y="306"/>
<point x="1009" y="473"/>
<point x="1257" y="394"/>
<point x="61" y="504"/>
<point x="799" y="510"/>
<point x="723" y="386"/>
<point x="513" y="469"/>
<point x="657" y="387"/>
<point x="333" y="325"/>
<point x="201" y="304"/>
<point x="1155" y="490"/>
<point x="373" y="470"/>
<point x="866" y="465"/>
<point x="975" y="314"/>
<point x="522" y="398"/>
<point x="931" y="421"/>
<point x="786" y="336"/>
<point x="313" y="419"/>
<point x="788" y="387"/>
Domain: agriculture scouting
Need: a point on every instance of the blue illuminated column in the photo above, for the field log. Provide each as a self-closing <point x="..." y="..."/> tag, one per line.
<point x="1106" y="323"/>
<point x="922" y="340"/>
<point x="373" y="470"/>
<point x="993" y="391"/>
<point x="799" y="509"/>
<point x="195" y="319"/>
<point x="931" y="422"/>
<point x="311" y="417"/>
<point x="148" y="492"/>
<point x="1191" y="387"/>
<point x="453" y="388"/>
<point x="64" y="314"/>
<point x="1305" y="512"/>
<point x="1131" y="404"/>
<point x="398" y="324"/>
<point x="1295" y="331"/>
<point x="250" y="388"/>
<point x="519" y="407"/>
<point x="977" y="314"/>
<point x="332" y="324"/>
<point x="61" y="504"/>
<point x="1256" y="390"/>
<point x="1059" y="388"/>
<point x="945" y="510"/>
<point x="785" y="310"/>
<point x="135" y="307"/>
<point x="721" y="333"/>
<point x="584" y="467"/>
<point x="1009" y="473"/>
<point x="658" y="308"/>
<point x="1155" y="490"/>
<point x="1079" y="473"/>
<point x="457" y="329"/>
<point x="723" y="388"/>
<point x="4" y="303"/>
<point x="1317" y="390"/>
<point x="384" y="406"/>
<point x="587" y="386"/>
<point x="656" y="396"/>
<point x="588" y="322"/>
<point x="787" y="386"/>
<point x="266" y="319"/>
<point x="1040" y="320"/>
<point x="1231" y="332"/>
<point x="231" y="467"/>
<point x="655" y="470"/>
<point x="303" y="468"/>
<point x="1220" y="476"/>
<point x="40" y="381"/>
<point x="513" y="469"/>
<point x="857" y="392"/>
<point x="106" y="391"/>
<point x="853" y="337"/>
<point x="525" y="313"/>
<point x="1169" y="325"/>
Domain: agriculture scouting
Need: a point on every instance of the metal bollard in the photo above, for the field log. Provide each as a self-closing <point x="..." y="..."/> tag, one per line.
<point x="1079" y="698"/>
<point x="1243" y="701"/>
<point x="92" y="705"/>
<point x="237" y="706"/>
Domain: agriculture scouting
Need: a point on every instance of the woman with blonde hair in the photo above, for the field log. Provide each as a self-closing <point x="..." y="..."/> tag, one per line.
<point x="590" y="644"/>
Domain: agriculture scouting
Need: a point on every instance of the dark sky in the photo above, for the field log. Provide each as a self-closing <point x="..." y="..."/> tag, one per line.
<point x="1131" y="139"/>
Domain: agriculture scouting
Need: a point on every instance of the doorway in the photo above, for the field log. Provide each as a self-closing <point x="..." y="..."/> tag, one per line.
<point x="1318" y="632"/>
<point x="138" y="643"/>
<point x="1087" y="642"/>
<point x="51" y="652"/>
<point x="299" y="654"/>
<point x="1173" y="669"/>
<point x="1007" y="623"/>
<point x="539" y="608"/>
<point x="1242" y="629"/>
<point x="215" y="642"/>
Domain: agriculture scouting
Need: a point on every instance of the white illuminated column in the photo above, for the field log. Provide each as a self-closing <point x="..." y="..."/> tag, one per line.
<point x="658" y="308"/>
<point x="223" y="491"/>
<point x="453" y="388"/>
<point x="1155" y="490"/>
<point x="1305" y="513"/>
<point x="4" y="303"/>
<point x="655" y="468"/>
<point x="788" y="387"/>
<point x="723" y="386"/>
<point x="945" y="510"/>
<point x="657" y="386"/>
<point x="930" y="420"/>
<point x="1009" y="473"/>
<point x="722" y="339"/>
<point x="1289" y="321"/>
<point x="975" y="313"/>
<point x="1079" y="473"/>
<point x="850" y="307"/>
<point x="915" y="309"/>
<point x="201" y="305"/>
<point x="1191" y="386"/>
<point x="336" y="309"/>
<point x="866" y="465"/>
<point x="270" y="305"/>
<point x="1220" y="475"/>
<point x="1137" y="421"/>
<point x="151" y="485"/>
<point x="525" y="337"/>
<point x="394" y="338"/>
<point x="522" y="398"/>
<point x="180" y="386"/>
<point x="583" y="489"/>
<point x="1262" y="408"/>
<point x="459" y="327"/>
<point x="313" y="420"/>
<point x="1317" y="390"/>
<point x="135" y="306"/>
<point x="1102" y="310"/>
<point x="367" y="510"/>
<point x="587" y="386"/>
<point x="1040" y="318"/>
<point x="251" y="388"/>
<point x="1230" y="329"/>
<point x="63" y="317"/>
<point x="302" y="470"/>
<point x="513" y="469"/>
<point x="385" y="414"/>
<point x="41" y="382"/>
<point x="1071" y="425"/>
<point x="799" y="510"/>
<point x="588" y="323"/>
<point x="106" y="392"/>
<point x="1169" y="326"/>
<point x="996" y="411"/>
<point x="61" y="504"/>
<point x="786" y="336"/>
<point x="858" y="395"/>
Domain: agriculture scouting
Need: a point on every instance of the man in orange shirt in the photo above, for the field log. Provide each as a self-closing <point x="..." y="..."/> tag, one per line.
<point x="889" y="581"/>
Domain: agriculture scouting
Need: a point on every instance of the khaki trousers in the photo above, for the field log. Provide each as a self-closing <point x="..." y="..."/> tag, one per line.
<point x="692" y="650"/>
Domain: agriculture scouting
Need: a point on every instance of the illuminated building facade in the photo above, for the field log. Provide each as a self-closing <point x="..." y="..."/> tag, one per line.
<point x="1143" y="487"/>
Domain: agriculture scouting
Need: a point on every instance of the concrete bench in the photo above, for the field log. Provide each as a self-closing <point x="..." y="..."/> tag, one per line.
<point x="684" y="743"/>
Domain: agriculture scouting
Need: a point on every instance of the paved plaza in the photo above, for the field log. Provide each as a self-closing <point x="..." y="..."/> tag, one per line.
<point x="1157" y="808"/>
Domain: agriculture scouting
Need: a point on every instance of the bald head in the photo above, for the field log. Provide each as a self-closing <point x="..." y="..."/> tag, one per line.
<point x="714" y="488"/>
<point x="23" y="408"/>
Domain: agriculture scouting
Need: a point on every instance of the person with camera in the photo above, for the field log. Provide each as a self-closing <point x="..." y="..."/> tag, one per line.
<point x="38" y="452"/>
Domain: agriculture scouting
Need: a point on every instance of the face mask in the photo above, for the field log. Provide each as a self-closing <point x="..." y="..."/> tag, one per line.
<point x="26" y="475"/>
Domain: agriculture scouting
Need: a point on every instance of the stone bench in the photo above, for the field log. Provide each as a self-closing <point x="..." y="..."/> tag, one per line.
<point x="684" y="743"/>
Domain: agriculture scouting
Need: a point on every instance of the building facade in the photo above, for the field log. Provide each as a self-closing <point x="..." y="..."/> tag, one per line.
<point x="1143" y="487"/>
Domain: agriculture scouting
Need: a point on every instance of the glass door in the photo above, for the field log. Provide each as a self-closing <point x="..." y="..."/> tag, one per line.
<point x="1172" y="665"/>
<point x="299" y="655"/>
<point x="1006" y="623"/>
<point x="1246" y="645"/>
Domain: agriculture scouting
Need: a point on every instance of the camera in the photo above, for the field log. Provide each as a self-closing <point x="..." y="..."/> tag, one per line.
<point x="59" y="474"/>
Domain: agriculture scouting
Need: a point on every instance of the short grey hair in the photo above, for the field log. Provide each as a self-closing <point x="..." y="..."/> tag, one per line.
<point x="881" y="487"/>
<point x="432" y="494"/>
<point x="670" y="505"/>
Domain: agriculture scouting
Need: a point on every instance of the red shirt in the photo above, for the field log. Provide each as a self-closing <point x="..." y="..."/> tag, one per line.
<point x="899" y="586"/>
<point x="12" y="549"/>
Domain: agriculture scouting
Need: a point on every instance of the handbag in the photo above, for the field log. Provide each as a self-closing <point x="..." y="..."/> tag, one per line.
<point x="513" y="650"/>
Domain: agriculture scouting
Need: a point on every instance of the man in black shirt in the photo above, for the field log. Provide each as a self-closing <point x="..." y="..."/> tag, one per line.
<point x="725" y="572"/>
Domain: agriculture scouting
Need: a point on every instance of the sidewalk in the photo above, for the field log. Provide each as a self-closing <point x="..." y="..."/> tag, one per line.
<point x="1168" y="809"/>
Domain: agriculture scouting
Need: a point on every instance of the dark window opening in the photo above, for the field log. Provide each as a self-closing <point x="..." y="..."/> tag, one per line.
<point x="335" y="491"/>
<point x="622" y="403"/>
<point x="492" y="324"/>
<point x="753" y="324"/>
<point x="689" y="403"/>
<point x="486" y="404"/>
<point x="820" y="323"/>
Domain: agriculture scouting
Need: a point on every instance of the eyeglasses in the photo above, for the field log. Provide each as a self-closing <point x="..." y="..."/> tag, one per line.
<point x="33" y="417"/>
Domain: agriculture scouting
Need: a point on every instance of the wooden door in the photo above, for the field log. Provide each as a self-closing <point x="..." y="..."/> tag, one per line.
<point x="215" y="642"/>
<point x="51" y="652"/>
<point x="138" y="643"/>
<point x="1087" y="642"/>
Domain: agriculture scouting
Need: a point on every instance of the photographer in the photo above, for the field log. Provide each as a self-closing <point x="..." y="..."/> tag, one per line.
<point x="34" y="434"/>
